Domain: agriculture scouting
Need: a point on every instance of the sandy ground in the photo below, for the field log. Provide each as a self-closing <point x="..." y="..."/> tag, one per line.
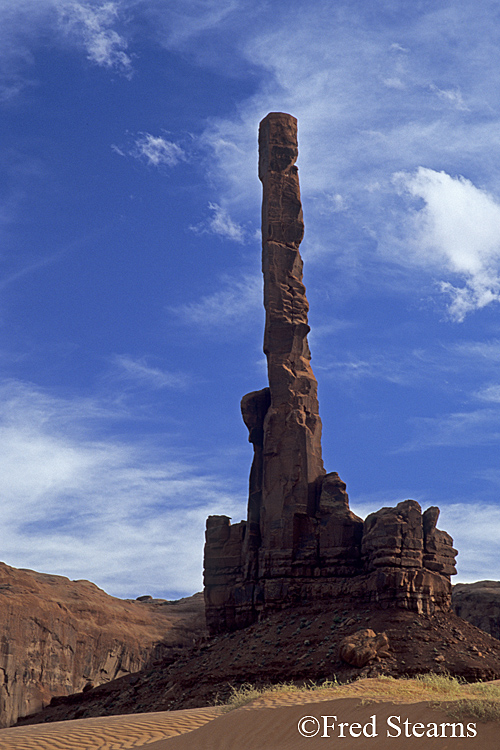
<point x="106" y="733"/>
<point x="270" y="722"/>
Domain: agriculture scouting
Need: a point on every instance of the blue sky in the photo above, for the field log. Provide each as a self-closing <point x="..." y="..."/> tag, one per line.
<point x="131" y="317"/>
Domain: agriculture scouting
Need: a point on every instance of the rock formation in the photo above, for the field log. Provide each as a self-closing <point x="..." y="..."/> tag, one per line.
<point x="60" y="636"/>
<point x="291" y="427"/>
<point x="363" y="647"/>
<point x="300" y="541"/>
<point x="479" y="604"/>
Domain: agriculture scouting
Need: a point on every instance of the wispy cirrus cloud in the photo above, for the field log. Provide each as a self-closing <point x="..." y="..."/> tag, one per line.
<point x="480" y="352"/>
<point x="489" y="393"/>
<point x="453" y="96"/>
<point x="153" y="150"/>
<point x="459" y="429"/>
<point x="220" y="223"/>
<point x="79" y="502"/>
<point x="92" y="25"/>
<point x="181" y="22"/>
<point x="239" y="301"/>
<point x="400" y="365"/>
<point x="139" y="371"/>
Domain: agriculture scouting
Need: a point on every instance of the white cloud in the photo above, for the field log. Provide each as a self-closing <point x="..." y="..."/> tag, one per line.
<point x="395" y="47"/>
<point x="399" y="365"/>
<point x="127" y="516"/>
<point x="335" y="203"/>
<point x="92" y="23"/>
<point x="489" y="393"/>
<point x="479" y="427"/>
<point x="378" y="366"/>
<point x="458" y="229"/>
<point x="453" y="96"/>
<point x="474" y="528"/>
<point x="19" y="24"/>
<point x="239" y="301"/>
<point x="394" y="83"/>
<point x="89" y="24"/>
<point x="139" y="371"/>
<point x="480" y="352"/>
<point x="367" y="106"/>
<point x="181" y="21"/>
<point x="220" y="223"/>
<point x="156" y="151"/>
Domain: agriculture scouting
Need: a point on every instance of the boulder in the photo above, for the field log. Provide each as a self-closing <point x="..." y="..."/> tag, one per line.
<point x="364" y="646"/>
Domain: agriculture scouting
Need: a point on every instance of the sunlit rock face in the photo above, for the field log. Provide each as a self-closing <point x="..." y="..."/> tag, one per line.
<point x="301" y="542"/>
<point x="60" y="636"/>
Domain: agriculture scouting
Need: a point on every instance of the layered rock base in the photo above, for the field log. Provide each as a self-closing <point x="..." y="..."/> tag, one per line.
<point x="395" y="558"/>
<point x="300" y="542"/>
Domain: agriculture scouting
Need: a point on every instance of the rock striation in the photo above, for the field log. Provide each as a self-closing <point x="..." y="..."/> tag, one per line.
<point x="59" y="636"/>
<point x="301" y="542"/>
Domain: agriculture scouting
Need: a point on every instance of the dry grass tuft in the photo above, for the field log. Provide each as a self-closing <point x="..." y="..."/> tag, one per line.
<point x="247" y="693"/>
<point x="481" y="709"/>
<point x="480" y="701"/>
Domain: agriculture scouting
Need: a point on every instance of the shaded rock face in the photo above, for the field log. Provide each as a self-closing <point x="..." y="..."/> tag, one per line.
<point x="479" y="604"/>
<point x="301" y="542"/>
<point x="60" y="636"/>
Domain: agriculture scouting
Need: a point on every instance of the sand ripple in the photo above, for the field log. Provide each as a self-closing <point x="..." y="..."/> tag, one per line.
<point x="106" y="733"/>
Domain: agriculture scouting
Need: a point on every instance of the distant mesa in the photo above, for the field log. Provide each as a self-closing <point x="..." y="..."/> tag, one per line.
<point x="301" y="542"/>
<point x="479" y="604"/>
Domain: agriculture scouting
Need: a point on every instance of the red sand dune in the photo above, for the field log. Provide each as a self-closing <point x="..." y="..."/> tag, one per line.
<point x="263" y="726"/>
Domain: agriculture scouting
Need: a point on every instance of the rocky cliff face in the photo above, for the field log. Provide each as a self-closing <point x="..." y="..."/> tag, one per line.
<point x="300" y="541"/>
<point x="479" y="604"/>
<point x="59" y="636"/>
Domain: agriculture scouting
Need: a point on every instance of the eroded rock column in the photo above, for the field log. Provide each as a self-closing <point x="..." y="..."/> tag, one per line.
<point x="292" y="463"/>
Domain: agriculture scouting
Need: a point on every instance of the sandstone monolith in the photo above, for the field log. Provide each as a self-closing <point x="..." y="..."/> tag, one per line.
<point x="301" y="542"/>
<point x="292" y="463"/>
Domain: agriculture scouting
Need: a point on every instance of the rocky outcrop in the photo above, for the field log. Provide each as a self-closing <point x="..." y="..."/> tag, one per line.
<point x="60" y="636"/>
<point x="479" y="604"/>
<point x="301" y="542"/>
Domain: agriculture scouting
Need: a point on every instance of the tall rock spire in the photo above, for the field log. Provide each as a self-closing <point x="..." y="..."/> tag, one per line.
<point x="292" y="463"/>
<point x="301" y="542"/>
